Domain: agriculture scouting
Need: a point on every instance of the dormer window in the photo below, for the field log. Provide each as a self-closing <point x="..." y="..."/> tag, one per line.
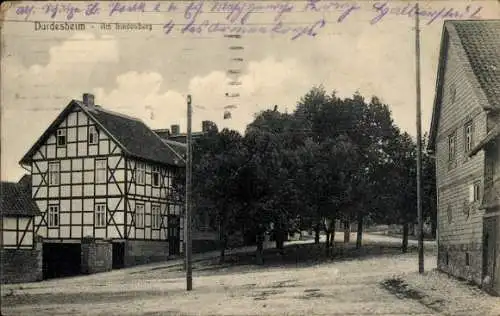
<point x="93" y="135"/>
<point x="61" y="137"/>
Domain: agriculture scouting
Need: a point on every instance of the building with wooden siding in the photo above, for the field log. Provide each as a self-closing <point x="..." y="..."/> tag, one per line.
<point x="21" y="253"/>
<point x="104" y="183"/>
<point x="464" y="137"/>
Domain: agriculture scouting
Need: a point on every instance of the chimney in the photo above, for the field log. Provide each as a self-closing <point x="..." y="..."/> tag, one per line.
<point x="205" y="125"/>
<point x="88" y="99"/>
<point x="174" y="129"/>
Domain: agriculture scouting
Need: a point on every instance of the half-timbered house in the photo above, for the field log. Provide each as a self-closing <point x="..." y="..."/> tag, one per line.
<point x="464" y="138"/>
<point x="20" y="253"/>
<point x="104" y="183"/>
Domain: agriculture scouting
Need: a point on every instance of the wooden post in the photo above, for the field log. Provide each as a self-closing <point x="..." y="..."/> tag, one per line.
<point x="187" y="224"/>
<point x="419" y="147"/>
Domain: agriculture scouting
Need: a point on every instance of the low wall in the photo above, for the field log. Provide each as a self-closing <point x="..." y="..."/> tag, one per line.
<point x="139" y="252"/>
<point x="97" y="256"/>
<point x="22" y="265"/>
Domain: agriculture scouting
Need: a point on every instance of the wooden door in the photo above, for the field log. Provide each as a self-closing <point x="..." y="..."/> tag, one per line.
<point x="174" y="232"/>
<point x="489" y="251"/>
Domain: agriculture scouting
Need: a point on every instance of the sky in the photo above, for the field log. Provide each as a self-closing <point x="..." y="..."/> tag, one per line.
<point x="346" y="46"/>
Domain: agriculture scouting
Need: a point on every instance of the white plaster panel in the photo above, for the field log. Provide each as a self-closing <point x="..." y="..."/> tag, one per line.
<point x="82" y="149"/>
<point x="76" y="218"/>
<point x="71" y="134"/>
<point x="61" y="152"/>
<point x="103" y="147"/>
<point x="65" y="191"/>
<point x="88" y="190"/>
<point x="77" y="164"/>
<point x="64" y="231"/>
<point x="77" y="190"/>
<point x="76" y="231"/>
<point x="93" y="150"/>
<point x="51" y="151"/>
<point x="71" y="150"/>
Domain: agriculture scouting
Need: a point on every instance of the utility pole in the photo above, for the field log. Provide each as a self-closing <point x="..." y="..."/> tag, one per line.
<point x="419" y="148"/>
<point x="188" y="242"/>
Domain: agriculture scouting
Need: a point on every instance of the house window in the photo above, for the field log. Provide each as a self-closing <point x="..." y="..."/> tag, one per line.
<point x="100" y="215"/>
<point x="93" y="136"/>
<point x="61" y="137"/>
<point x="53" y="216"/>
<point x="452" y="147"/>
<point x="155" y="177"/>
<point x="468" y="137"/>
<point x="155" y="217"/>
<point x="467" y="259"/>
<point x="449" y="214"/>
<point x="140" y="173"/>
<point x="453" y="93"/>
<point x="54" y="173"/>
<point x="139" y="216"/>
<point x="101" y="171"/>
<point x="477" y="191"/>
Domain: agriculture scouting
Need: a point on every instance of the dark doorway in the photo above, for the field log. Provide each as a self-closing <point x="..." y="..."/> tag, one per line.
<point x="174" y="232"/>
<point x="61" y="260"/>
<point x="489" y="245"/>
<point x="118" y="255"/>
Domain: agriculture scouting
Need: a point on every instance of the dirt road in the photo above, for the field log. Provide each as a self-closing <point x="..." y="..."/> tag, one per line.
<point x="337" y="287"/>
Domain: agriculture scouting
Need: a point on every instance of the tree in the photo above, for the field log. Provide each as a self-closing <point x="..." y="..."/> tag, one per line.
<point x="218" y="159"/>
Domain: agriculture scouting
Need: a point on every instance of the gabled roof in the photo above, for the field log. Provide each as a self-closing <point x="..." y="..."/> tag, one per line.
<point x="479" y="47"/>
<point x="15" y="200"/>
<point x="134" y="137"/>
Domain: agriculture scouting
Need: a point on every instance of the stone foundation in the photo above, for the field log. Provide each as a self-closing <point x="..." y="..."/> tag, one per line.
<point x="97" y="256"/>
<point x="463" y="261"/>
<point x="22" y="265"/>
<point x="139" y="252"/>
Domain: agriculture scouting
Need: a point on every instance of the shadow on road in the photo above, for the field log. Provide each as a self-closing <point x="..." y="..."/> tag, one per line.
<point x="298" y="256"/>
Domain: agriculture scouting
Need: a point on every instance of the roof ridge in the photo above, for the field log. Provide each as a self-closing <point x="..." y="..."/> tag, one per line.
<point x="102" y="109"/>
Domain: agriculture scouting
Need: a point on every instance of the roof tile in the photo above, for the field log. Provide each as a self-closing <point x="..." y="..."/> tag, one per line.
<point x="15" y="200"/>
<point x="481" y="42"/>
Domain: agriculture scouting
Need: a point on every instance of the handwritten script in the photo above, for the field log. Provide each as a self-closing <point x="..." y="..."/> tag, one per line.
<point x="243" y="17"/>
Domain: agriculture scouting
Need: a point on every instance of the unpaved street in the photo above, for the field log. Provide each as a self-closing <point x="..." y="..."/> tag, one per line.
<point x="343" y="287"/>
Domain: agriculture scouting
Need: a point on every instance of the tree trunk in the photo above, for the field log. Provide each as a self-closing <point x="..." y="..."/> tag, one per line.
<point x="260" y="248"/>
<point x="406" y="230"/>
<point x="332" y="237"/>
<point x="280" y="239"/>
<point x="222" y="243"/>
<point x="347" y="231"/>
<point x="316" y="236"/>
<point x="327" y="243"/>
<point x="359" y="234"/>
